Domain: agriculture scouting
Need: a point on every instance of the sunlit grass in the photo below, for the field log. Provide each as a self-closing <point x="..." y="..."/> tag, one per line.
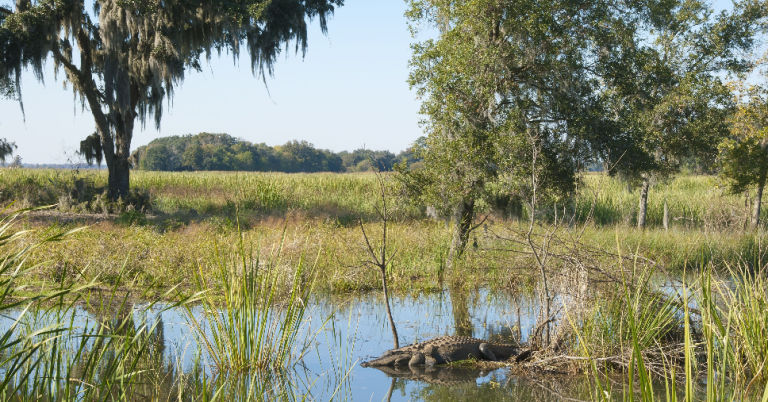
<point x="247" y="330"/>
<point x="718" y="352"/>
<point x="342" y="196"/>
<point x="85" y="342"/>
<point x="693" y="201"/>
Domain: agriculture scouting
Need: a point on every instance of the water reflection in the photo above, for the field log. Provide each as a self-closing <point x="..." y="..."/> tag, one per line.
<point x="356" y="330"/>
<point x="462" y="322"/>
<point x="435" y="375"/>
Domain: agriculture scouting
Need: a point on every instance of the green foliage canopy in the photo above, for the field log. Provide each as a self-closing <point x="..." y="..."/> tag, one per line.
<point x="663" y="90"/>
<point x="505" y="78"/>
<point x="361" y="160"/>
<point x="529" y="92"/>
<point x="744" y="153"/>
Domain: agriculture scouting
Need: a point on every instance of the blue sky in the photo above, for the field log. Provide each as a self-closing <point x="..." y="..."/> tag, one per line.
<point x="349" y="92"/>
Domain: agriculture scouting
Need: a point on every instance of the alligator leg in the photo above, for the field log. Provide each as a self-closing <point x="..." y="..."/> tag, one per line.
<point x="429" y="356"/>
<point x="401" y="359"/>
<point x="416" y="359"/>
<point x="430" y="361"/>
<point x="487" y="353"/>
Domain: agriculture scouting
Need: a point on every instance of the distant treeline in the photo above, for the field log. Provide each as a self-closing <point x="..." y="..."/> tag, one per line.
<point x="206" y="151"/>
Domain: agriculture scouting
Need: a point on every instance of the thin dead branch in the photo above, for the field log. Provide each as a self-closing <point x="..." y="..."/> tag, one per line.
<point x="381" y="258"/>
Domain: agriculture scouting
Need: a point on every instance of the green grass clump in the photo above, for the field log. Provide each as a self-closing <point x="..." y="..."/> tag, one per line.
<point x="51" y="350"/>
<point x="46" y="353"/>
<point x="245" y="332"/>
<point x="707" y="342"/>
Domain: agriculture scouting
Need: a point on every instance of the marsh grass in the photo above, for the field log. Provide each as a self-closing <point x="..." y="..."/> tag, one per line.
<point x="190" y="213"/>
<point x="694" y="202"/>
<point x="89" y="343"/>
<point x="199" y="195"/>
<point x="114" y="352"/>
<point x="719" y="331"/>
<point x="736" y="326"/>
<point x="20" y="350"/>
<point x="154" y="260"/>
<point x="37" y="356"/>
<point x="700" y="202"/>
<point x="246" y="331"/>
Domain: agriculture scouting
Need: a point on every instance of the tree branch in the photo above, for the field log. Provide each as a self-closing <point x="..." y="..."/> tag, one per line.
<point x="371" y="252"/>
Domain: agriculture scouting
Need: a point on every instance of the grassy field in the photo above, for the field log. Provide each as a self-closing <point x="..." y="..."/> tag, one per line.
<point x="189" y="217"/>
<point x="200" y="194"/>
<point x="189" y="224"/>
<point x="697" y="202"/>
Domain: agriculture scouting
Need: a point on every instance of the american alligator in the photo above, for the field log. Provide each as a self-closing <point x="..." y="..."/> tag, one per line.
<point x="444" y="349"/>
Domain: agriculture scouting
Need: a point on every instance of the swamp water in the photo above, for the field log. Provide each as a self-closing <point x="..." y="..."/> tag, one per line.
<point x="346" y="331"/>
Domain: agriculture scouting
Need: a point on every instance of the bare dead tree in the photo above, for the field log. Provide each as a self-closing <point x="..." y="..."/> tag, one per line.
<point x="381" y="257"/>
<point x="541" y="245"/>
<point x="539" y="254"/>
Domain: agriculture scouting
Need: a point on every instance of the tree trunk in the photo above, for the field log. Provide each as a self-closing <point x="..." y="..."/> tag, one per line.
<point x="462" y="221"/>
<point x="114" y="125"/>
<point x="123" y="123"/>
<point x="116" y="153"/>
<point x="119" y="178"/>
<point x="758" y="202"/>
<point x="643" y="207"/>
<point x="117" y="149"/>
<point x="389" y="311"/>
<point x="666" y="216"/>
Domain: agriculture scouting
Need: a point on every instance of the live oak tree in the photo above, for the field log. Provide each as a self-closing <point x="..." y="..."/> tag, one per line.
<point x="503" y="80"/>
<point x="124" y="58"/>
<point x="663" y="90"/>
<point x="744" y="153"/>
<point x="457" y="108"/>
<point x="509" y="96"/>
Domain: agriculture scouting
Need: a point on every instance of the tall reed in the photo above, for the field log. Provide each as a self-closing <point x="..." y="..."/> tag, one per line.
<point x="52" y="349"/>
<point x="251" y="330"/>
<point x="20" y="350"/>
<point x="87" y="343"/>
<point x="722" y="352"/>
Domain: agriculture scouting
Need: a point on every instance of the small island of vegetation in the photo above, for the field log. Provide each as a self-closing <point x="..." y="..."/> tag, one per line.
<point x="222" y="152"/>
